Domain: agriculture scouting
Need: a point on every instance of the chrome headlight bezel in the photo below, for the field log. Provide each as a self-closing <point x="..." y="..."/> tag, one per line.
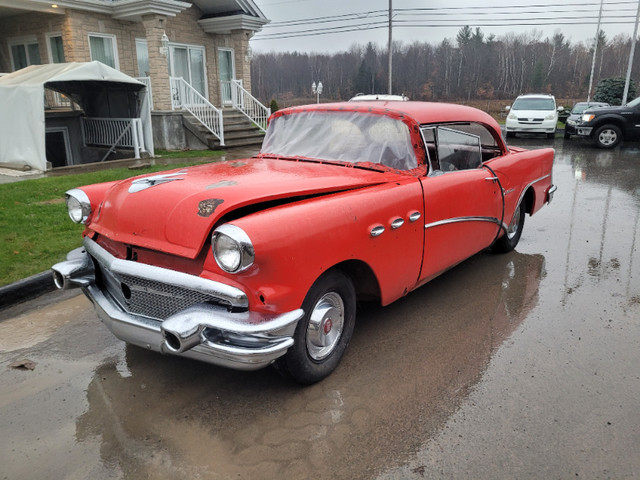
<point x="232" y="248"/>
<point x="78" y="205"/>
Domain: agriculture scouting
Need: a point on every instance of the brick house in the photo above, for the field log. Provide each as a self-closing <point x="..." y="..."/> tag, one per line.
<point x="205" y="42"/>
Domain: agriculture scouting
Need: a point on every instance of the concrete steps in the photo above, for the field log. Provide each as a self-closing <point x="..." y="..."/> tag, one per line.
<point x="239" y="131"/>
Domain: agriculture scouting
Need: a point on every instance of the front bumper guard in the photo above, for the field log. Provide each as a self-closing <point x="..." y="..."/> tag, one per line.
<point x="209" y="333"/>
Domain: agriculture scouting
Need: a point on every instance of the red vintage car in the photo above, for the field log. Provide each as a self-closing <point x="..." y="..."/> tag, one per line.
<point x="260" y="261"/>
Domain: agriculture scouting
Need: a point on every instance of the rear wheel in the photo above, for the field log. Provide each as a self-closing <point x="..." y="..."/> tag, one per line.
<point x="511" y="237"/>
<point x="323" y="334"/>
<point x="607" y="136"/>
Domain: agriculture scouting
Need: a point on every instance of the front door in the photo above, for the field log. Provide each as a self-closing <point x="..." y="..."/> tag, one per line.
<point x="187" y="61"/>
<point x="227" y="73"/>
<point x="462" y="201"/>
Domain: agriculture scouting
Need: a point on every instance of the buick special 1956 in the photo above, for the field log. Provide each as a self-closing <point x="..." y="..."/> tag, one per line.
<point x="263" y="261"/>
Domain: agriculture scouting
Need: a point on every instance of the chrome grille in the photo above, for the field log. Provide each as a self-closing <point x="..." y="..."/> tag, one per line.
<point x="151" y="298"/>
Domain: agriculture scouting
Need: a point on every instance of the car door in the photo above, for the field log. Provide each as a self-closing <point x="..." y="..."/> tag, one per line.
<point x="462" y="200"/>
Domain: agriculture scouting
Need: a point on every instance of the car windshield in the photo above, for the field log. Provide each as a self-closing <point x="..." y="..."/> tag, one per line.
<point x="534" y="104"/>
<point x="352" y="137"/>
<point x="579" y="108"/>
<point x="633" y="103"/>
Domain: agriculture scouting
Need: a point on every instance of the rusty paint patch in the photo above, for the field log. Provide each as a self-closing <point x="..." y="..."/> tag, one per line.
<point x="223" y="183"/>
<point x="238" y="164"/>
<point x="207" y="207"/>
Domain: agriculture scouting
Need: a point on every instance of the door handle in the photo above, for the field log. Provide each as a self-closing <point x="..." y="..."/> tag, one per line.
<point x="492" y="179"/>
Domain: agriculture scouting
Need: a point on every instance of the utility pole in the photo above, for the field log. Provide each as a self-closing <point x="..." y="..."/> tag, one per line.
<point x="595" y="50"/>
<point x="633" y="51"/>
<point x="391" y="40"/>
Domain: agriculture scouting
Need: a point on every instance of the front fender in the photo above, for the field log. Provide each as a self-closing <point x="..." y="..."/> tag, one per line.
<point x="296" y="243"/>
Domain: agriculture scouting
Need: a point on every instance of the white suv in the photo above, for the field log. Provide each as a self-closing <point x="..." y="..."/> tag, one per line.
<point x="533" y="114"/>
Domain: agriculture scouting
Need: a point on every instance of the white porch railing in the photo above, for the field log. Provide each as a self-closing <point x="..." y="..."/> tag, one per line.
<point x="114" y="132"/>
<point x="147" y="82"/>
<point x="184" y="96"/>
<point x="246" y="103"/>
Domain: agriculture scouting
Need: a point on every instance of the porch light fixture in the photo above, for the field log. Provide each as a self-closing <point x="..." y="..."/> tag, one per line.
<point x="164" y="41"/>
<point x="249" y="54"/>
<point x="317" y="89"/>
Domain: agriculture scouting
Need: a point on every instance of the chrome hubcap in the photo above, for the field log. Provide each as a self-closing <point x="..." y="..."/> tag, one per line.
<point x="325" y="326"/>
<point x="513" y="226"/>
<point x="607" y="137"/>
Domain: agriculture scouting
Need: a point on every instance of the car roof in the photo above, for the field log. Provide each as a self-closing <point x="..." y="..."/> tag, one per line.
<point x="419" y="112"/>
<point x="536" y="95"/>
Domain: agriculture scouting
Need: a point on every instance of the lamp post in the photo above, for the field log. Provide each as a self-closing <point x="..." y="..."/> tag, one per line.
<point x="317" y="89"/>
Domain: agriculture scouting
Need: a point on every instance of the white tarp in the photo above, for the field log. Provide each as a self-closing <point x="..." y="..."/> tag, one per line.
<point x="94" y="86"/>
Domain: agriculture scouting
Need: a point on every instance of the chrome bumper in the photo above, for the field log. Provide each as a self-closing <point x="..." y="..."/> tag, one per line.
<point x="584" y="131"/>
<point x="550" y="193"/>
<point x="202" y="331"/>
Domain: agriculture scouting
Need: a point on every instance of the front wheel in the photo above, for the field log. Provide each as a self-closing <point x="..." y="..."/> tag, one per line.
<point x="511" y="237"/>
<point x="607" y="136"/>
<point x="323" y="334"/>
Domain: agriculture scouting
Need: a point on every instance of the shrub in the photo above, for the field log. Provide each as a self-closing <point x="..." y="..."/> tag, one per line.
<point x="610" y="90"/>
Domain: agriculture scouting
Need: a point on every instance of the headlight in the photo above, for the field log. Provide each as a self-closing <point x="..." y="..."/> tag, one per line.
<point x="78" y="205"/>
<point x="551" y="116"/>
<point x="512" y="116"/>
<point x="232" y="248"/>
<point x="587" y="117"/>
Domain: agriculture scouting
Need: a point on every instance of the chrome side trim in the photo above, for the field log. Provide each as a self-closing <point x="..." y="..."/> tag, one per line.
<point x="524" y="190"/>
<point x="234" y="296"/>
<point x="467" y="219"/>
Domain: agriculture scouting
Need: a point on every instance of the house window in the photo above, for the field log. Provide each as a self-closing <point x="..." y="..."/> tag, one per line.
<point x="142" y="54"/>
<point x="103" y="49"/>
<point x="56" y="51"/>
<point x="24" y="52"/>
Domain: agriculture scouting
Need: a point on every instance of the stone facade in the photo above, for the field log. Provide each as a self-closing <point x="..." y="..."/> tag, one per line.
<point x="76" y="25"/>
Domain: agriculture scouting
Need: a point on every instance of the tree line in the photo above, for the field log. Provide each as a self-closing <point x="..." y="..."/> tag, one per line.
<point x="471" y="67"/>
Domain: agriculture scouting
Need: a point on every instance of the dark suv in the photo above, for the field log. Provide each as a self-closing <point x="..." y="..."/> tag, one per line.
<point x="607" y="126"/>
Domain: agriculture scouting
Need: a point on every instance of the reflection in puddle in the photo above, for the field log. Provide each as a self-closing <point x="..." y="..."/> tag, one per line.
<point x="408" y="367"/>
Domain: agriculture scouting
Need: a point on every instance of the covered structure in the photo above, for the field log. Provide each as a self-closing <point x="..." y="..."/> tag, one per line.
<point x="114" y="113"/>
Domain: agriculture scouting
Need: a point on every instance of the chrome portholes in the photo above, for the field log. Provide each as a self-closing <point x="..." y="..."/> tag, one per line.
<point x="396" y="223"/>
<point x="377" y="231"/>
<point x="414" y="216"/>
<point x="325" y="327"/>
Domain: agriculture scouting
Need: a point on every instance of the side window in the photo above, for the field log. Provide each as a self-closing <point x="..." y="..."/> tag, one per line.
<point x="457" y="150"/>
<point x="429" y="139"/>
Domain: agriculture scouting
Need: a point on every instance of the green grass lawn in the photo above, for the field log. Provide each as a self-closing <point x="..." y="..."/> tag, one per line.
<point x="35" y="230"/>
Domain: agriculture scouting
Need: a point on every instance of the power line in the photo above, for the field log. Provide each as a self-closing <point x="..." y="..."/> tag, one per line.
<point x="508" y="22"/>
<point x="446" y="11"/>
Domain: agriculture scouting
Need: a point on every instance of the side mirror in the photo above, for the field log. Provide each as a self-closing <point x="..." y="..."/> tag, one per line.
<point x="561" y="109"/>
<point x="507" y="108"/>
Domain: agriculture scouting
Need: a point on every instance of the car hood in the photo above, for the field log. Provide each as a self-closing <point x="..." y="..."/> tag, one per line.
<point x="532" y="113"/>
<point x="610" y="109"/>
<point x="175" y="211"/>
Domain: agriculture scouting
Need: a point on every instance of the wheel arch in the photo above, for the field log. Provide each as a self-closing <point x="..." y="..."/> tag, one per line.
<point x="363" y="278"/>
<point x="618" y="122"/>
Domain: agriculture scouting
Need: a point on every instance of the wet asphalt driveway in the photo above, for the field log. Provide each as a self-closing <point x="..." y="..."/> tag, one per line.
<point x="524" y="365"/>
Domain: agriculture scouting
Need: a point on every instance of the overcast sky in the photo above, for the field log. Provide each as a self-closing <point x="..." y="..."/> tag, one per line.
<point x="334" y="25"/>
